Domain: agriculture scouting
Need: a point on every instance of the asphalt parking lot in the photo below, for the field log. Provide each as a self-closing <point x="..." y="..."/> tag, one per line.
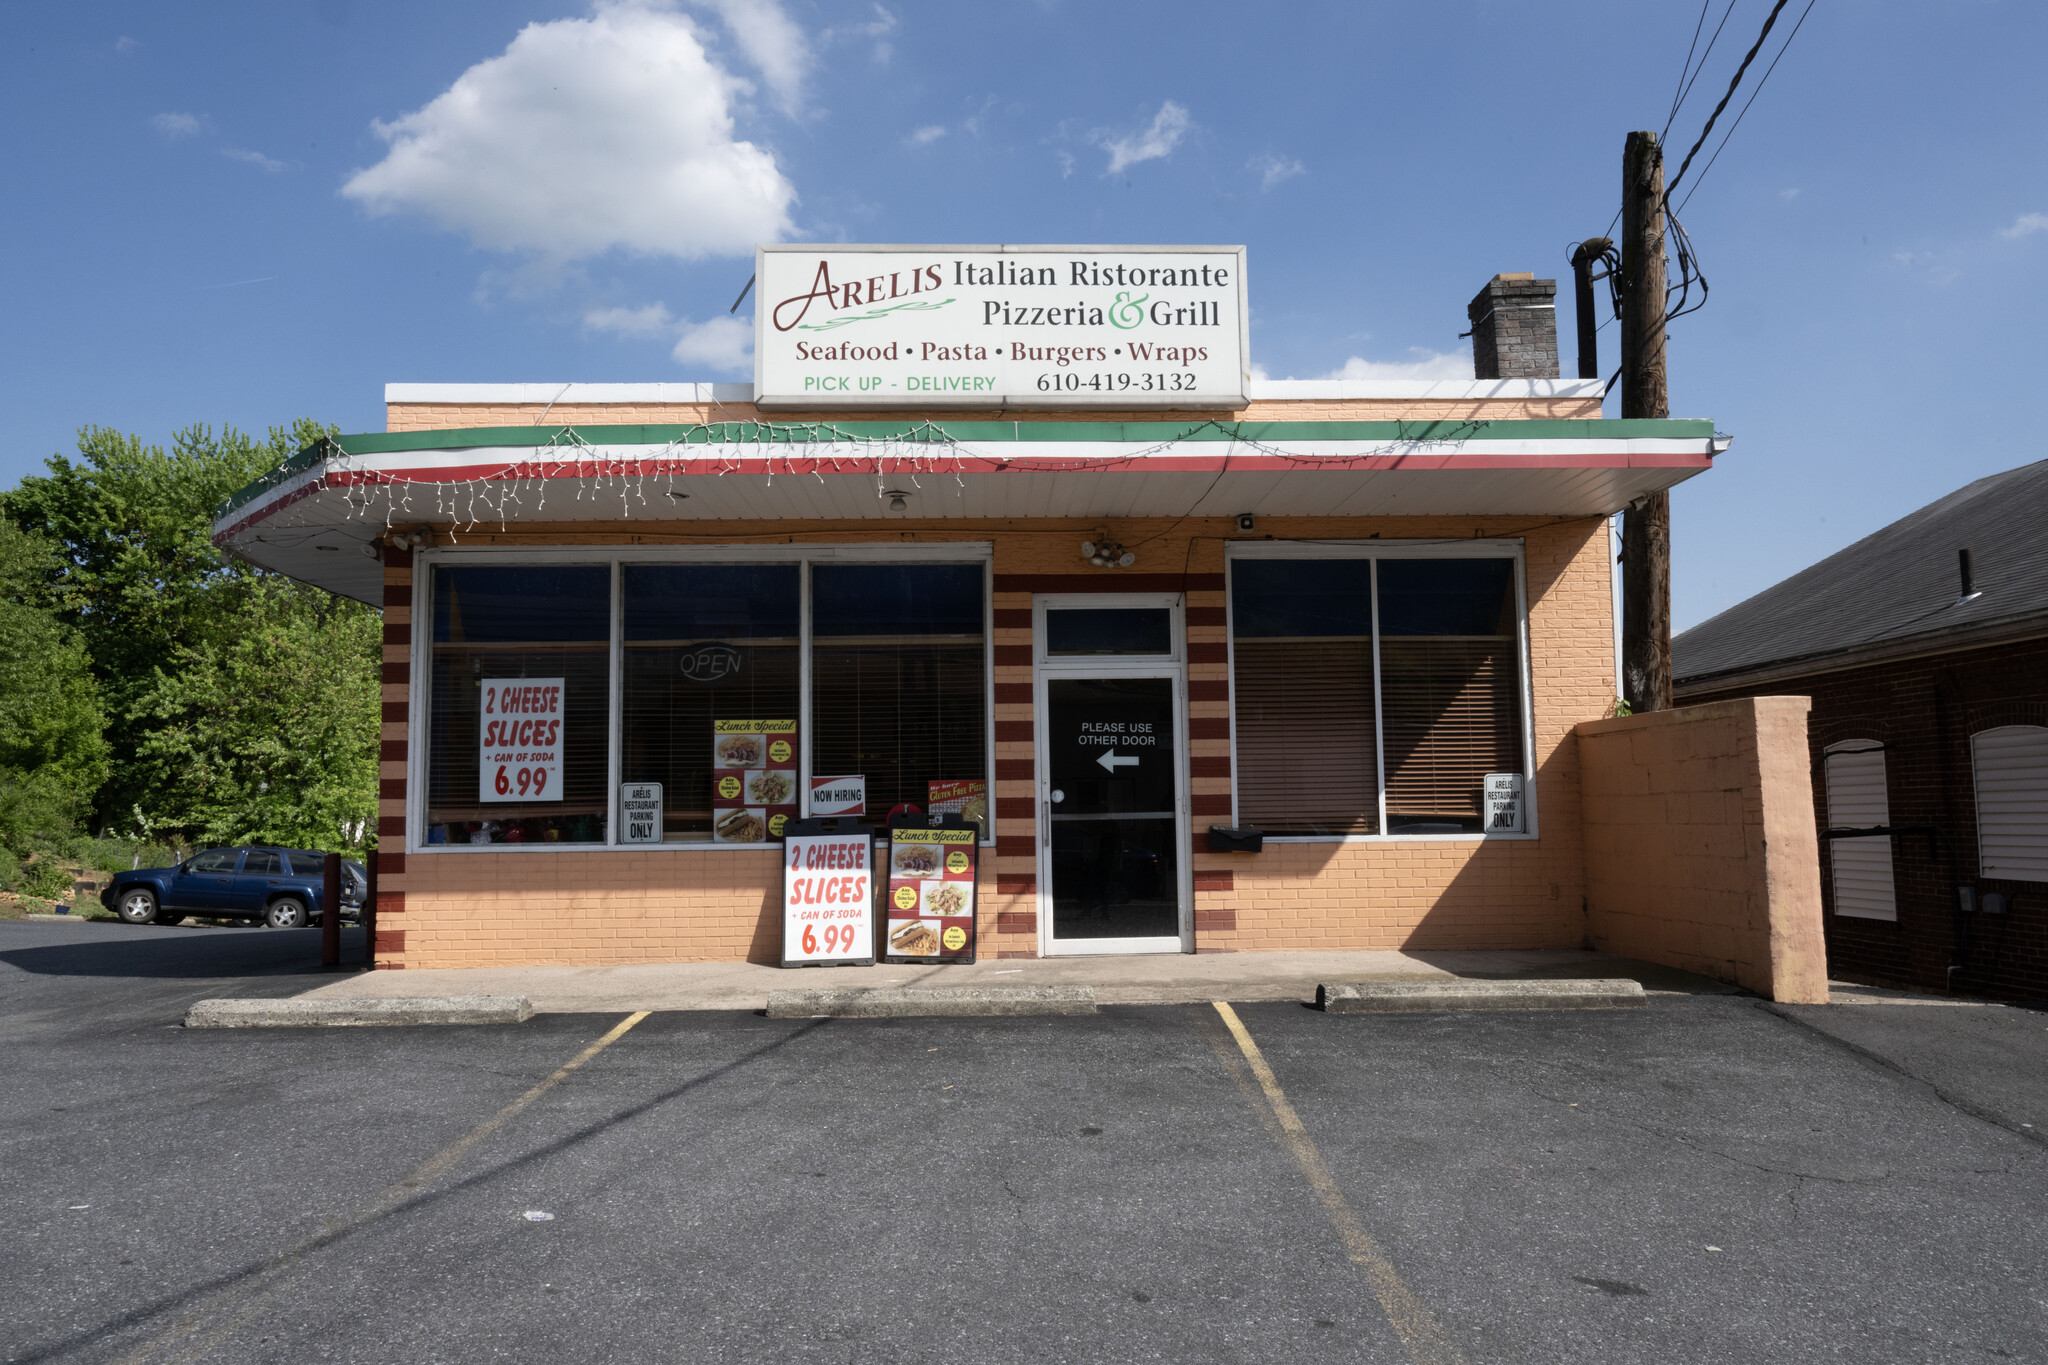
<point x="1704" y="1180"/>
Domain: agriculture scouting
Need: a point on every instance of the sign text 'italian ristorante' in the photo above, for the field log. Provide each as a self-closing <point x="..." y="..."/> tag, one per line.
<point x="999" y="327"/>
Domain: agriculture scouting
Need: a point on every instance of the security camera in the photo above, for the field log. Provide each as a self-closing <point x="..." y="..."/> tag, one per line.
<point x="1245" y="521"/>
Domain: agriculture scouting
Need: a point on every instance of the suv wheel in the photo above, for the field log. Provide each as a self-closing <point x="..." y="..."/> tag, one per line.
<point x="137" y="905"/>
<point x="286" y="912"/>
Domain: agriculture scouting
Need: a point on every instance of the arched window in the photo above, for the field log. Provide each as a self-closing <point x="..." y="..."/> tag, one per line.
<point x="2010" y="765"/>
<point x="1856" y="799"/>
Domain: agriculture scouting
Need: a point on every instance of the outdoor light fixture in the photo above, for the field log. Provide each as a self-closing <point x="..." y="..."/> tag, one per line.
<point x="897" y="500"/>
<point x="1107" y="554"/>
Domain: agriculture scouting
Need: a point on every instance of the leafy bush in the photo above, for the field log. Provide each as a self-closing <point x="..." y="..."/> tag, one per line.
<point x="10" y="870"/>
<point x="45" y="880"/>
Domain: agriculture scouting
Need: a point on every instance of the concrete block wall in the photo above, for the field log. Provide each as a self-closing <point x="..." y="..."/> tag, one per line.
<point x="1700" y="847"/>
<point x="475" y="908"/>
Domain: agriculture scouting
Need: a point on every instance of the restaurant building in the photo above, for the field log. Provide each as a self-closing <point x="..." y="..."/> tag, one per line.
<point x="1012" y="532"/>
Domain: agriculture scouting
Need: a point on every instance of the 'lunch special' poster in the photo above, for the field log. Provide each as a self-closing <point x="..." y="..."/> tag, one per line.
<point x="753" y="779"/>
<point x="931" y="892"/>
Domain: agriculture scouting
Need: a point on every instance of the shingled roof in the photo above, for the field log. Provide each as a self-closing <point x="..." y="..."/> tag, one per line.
<point x="1891" y="594"/>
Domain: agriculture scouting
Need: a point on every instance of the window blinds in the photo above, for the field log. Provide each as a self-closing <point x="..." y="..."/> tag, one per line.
<point x="1307" y="761"/>
<point x="1856" y="799"/>
<point x="1452" y="711"/>
<point x="2011" y="770"/>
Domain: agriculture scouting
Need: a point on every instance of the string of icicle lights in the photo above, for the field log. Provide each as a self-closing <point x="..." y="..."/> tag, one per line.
<point x="469" y="497"/>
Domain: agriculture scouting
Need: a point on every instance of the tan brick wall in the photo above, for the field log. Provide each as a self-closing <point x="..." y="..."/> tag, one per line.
<point x="463" y="908"/>
<point x="445" y="416"/>
<point x="1701" y="851"/>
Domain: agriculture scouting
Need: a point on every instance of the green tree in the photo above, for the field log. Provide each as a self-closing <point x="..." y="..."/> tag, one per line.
<point x="53" y="750"/>
<point x="136" y="574"/>
<point x="267" y="733"/>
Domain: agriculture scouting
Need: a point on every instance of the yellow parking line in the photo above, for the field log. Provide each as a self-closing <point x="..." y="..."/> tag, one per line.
<point x="226" y="1313"/>
<point x="1425" y="1338"/>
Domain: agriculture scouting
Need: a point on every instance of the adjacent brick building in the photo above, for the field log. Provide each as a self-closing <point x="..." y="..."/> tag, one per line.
<point x="1925" y="650"/>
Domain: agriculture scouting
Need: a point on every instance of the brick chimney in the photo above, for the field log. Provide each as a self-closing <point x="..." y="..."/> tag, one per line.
<point x="1514" y="328"/>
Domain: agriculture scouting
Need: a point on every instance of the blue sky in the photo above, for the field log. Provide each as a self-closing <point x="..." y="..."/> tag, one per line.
<point x="245" y="213"/>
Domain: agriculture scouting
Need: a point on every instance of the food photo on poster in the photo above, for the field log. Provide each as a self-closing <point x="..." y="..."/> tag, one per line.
<point x="753" y="780"/>
<point x="828" y="894"/>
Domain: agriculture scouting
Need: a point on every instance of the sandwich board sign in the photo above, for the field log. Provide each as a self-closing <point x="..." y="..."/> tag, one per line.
<point x="828" y="895"/>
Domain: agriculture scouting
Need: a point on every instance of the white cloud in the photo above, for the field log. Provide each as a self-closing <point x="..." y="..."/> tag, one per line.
<point x="586" y="135"/>
<point x="1792" y="193"/>
<point x="256" y="159"/>
<point x="772" y="42"/>
<point x="1272" y="170"/>
<point x="927" y="135"/>
<point x="876" y="30"/>
<point x="177" y="125"/>
<point x="2026" y="225"/>
<point x="1066" y="163"/>
<point x="125" y="45"/>
<point x="724" y="345"/>
<point x="651" y="321"/>
<point x="1427" y="364"/>
<point x="1169" y="126"/>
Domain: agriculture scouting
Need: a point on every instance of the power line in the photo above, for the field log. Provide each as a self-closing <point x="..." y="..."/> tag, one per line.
<point x="1761" y="81"/>
<point x="1685" y="86"/>
<point x="1747" y="58"/>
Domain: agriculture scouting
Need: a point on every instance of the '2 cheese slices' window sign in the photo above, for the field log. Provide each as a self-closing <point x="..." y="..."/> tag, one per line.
<point x="930" y="902"/>
<point x="999" y="327"/>
<point x="827" y="897"/>
<point x="753" y="779"/>
<point x="520" y="746"/>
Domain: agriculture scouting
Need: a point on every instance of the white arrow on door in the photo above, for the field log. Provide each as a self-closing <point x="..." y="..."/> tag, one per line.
<point x="1112" y="760"/>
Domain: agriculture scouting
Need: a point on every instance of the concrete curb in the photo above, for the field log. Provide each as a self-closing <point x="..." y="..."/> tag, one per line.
<point x="301" y="1012"/>
<point x="1419" y="997"/>
<point x="891" y="1002"/>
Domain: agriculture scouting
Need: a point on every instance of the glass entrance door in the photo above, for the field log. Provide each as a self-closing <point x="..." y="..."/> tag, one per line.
<point x="1113" y="827"/>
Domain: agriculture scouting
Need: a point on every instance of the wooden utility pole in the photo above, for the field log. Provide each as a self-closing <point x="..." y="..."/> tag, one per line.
<point x="1646" y="522"/>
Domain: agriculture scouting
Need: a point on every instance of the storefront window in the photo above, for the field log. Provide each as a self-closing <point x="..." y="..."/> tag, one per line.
<point x="1450" y="682"/>
<point x="899" y="683"/>
<point x="1448" y="692"/>
<point x="1307" y="754"/>
<point x="519" y="705"/>
<point x="708" y="649"/>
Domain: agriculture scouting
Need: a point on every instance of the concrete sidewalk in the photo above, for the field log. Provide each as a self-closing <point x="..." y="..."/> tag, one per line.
<point x="1162" y="979"/>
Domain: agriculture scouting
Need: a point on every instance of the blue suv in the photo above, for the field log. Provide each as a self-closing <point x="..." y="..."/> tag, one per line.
<point x="280" y="886"/>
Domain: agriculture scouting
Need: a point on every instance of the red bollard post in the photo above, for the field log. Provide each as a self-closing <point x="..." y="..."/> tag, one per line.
<point x="330" y="911"/>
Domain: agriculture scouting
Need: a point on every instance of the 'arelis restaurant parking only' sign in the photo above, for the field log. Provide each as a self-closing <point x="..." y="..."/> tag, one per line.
<point x="1007" y="326"/>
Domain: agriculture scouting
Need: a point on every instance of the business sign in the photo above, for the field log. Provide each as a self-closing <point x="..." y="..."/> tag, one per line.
<point x="839" y="795"/>
<point x="999" y="327"/>
<point x="930" y="900"/>
<point x="519" y="742"/>
<point x="1503" y="797"/>
<point x="827" y="900"/>
<point x="753" y="779"/>
<point x="967" y="799"/>
<point x="640" y="813"/>
<point x="712" y="664"/>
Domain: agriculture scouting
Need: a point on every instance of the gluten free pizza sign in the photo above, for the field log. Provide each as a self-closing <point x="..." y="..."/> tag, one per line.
<point x="520" y="740"/>
<point x="827" y="899"/>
